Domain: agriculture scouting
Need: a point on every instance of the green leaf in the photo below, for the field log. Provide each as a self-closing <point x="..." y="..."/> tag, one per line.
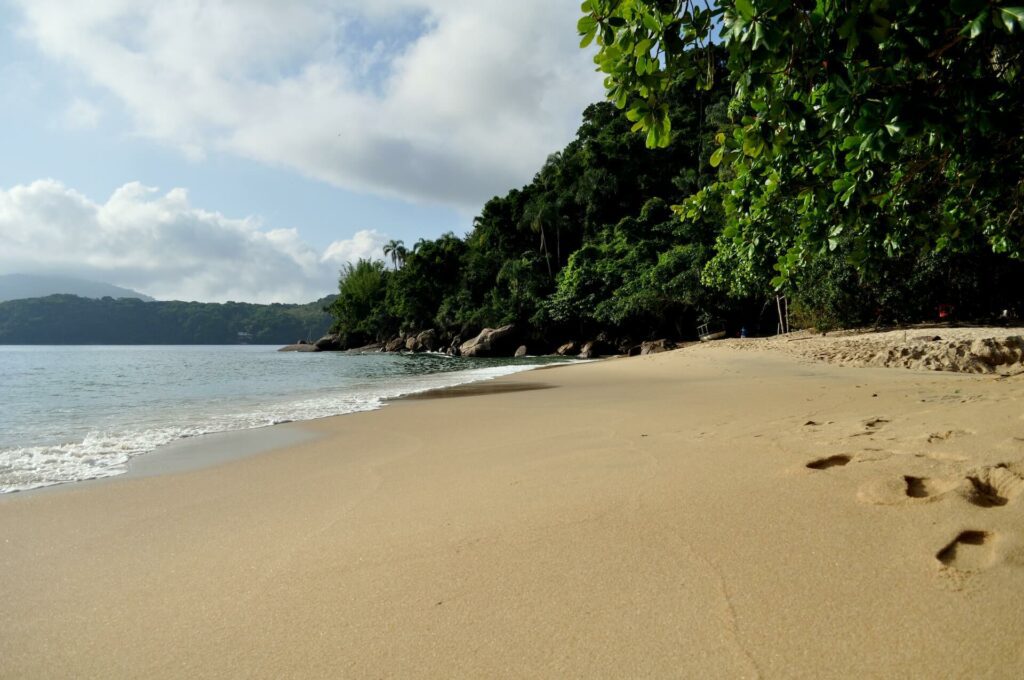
<point x="716" y="157"/>
<point x="895" y="128"/>
<point x="752" y="145"/>
<point x="851" y="142"/>
<point x="974" y="29"/>
<point x="586" y="24"/>
<point x="588" y="38"/>
<point x="1010" y="15"/>
<point x="746" y="9"/>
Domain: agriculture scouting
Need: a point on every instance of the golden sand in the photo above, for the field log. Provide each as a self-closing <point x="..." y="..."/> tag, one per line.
<point x="704" y="513"/>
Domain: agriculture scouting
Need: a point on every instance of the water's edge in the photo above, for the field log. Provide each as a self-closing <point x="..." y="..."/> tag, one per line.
<point x="208" y="449"/>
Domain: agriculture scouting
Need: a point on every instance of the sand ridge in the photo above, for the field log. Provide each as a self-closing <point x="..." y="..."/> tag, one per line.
<point x="709" y="512"/>
<point x="964" y="349"/>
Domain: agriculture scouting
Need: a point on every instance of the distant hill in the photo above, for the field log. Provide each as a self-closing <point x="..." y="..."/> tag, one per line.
<point x="74" y="320"/>
<point x="20" y="286"/>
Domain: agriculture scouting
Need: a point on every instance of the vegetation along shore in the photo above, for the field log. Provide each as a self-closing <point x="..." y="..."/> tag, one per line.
<point x="865" y="163"/>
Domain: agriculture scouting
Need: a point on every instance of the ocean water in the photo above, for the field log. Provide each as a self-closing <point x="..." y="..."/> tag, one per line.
<point x="74" y="413"/>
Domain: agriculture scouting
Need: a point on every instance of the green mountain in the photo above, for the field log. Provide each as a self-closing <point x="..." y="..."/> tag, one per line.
<point x="74" y="320"/>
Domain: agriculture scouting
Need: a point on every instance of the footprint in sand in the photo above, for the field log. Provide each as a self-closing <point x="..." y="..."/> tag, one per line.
<point x="993" y="486"/>
<point x="830" y="462"/>
<point x="990" y="486"/>
<point x="908" y="489"/>
<point x="971" y="550"/>
<point x="919" y="487"/>
<point x="871" y="426"/>
<point x="936" y="437"/>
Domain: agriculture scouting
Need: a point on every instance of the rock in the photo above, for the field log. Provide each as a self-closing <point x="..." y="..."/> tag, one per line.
<point x="412" y="344"/>
<point x="656" y="346"/>
<point x="489" y="343"/>
<point x="328" y="343"/>
<point x="299" y="347"/>
<point x="520" y="351"/>
<point x="567" y="349"/>
<point x="595" y="348"/>
<point x="428" y="340"/>
<point x="453" y="348"/>
<point x="371" y="348"/>
<point x="394" y="344"/>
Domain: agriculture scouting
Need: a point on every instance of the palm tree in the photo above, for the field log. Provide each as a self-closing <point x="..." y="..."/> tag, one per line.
<point x="396" y="251"/>
<point x="543" y="210"/>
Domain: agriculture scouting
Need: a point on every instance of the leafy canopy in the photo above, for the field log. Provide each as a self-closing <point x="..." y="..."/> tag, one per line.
<point x="871" y="127"/>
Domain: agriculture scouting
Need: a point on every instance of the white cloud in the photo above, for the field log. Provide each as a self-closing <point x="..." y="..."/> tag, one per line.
<point x="366" y="244"/>
<point x="81" y="115"/>
<point x="161" y="245"/>
<point x="447" y="101"/>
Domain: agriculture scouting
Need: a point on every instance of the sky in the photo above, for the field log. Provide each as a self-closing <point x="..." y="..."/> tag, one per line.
<point x="246" y="149"/>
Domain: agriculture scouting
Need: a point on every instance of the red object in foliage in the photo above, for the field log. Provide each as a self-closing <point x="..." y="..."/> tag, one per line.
<point x="945" y="311"/>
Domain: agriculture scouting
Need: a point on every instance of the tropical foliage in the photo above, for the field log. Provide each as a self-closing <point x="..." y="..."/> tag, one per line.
<point x="864" y="157"/>
<point x="876" y="129"/>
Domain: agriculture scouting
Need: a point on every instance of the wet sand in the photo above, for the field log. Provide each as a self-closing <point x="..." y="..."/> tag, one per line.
<point x="709" y="512"/>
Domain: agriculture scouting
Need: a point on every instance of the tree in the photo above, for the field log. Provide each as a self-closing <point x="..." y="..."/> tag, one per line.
<point x="870" y="127"/>
<point x="396" y="251"/>
<point x="359" y="310"/>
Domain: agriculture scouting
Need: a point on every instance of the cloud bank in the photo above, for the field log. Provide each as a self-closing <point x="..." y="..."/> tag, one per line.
<point x="444" y="101"/>
<point x="161" y="245"/>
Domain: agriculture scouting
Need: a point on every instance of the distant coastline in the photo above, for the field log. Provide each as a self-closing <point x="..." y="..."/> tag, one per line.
<point x="75" y="320"/>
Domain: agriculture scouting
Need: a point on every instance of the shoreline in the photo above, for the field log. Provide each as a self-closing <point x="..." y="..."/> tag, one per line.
<point x="213" y="447"/>
<point x="706" y="512"/>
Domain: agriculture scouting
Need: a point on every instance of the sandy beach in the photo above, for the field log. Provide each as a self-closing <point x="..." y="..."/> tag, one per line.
<point x="715" y="512"/>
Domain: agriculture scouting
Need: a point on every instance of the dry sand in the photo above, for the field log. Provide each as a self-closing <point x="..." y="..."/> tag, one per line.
<point x="966" y="349"/>
<point x="712" y="512"/>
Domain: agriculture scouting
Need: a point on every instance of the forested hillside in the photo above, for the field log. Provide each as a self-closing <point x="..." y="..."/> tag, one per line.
<point x="591" y="245"/>
<point x="609" y="241"/>
<point x="72" y="320"/>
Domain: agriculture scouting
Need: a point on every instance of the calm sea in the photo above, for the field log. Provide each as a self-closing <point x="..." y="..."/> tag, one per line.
<point x="73" y="413"/>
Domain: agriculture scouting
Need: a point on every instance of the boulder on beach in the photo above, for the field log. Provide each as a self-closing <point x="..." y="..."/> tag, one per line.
<point x="394" y="344"/>
<point x="567" y="349"/>
<point x="412" y="344"/>
<point x="490" y="342"/>
<point x="656" y="346"/>
<point x="520" y="351"/>
<point x="428" y="340"/>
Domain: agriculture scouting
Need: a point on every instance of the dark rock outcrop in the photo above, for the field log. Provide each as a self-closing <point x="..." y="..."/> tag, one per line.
<point x="299" y="347"/>
<point x="328" y="343"/>
<point x="656" y="346"/>
<point x="454" y="348"/>
<point x="491" y="342"/>
<point x="596" y="348"/>
<point x="371" y="348"/>
<point x="428" y="340"/>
